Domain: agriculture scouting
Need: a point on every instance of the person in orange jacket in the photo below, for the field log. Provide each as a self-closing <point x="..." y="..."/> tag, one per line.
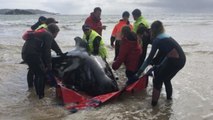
<point x="116" y="33"/>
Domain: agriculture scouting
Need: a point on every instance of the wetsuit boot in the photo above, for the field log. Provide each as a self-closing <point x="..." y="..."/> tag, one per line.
<point x="155" y="96"/>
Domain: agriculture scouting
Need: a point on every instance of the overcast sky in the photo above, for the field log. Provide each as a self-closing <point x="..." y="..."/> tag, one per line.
<point x="111" y="6"/>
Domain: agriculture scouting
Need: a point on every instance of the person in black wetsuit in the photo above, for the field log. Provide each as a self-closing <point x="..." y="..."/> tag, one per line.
<point x="30" y="74"/>
<point x="42" y="23"/>
<point x="36" y="52"/>
<point x="171" y="59"/>
<point x="143" y="36"/>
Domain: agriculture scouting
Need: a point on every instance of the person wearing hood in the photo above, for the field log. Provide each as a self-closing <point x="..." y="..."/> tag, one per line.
<point x="129" y="53"/>
<point x="94" y="21"/>
<point x="116" y="33"/>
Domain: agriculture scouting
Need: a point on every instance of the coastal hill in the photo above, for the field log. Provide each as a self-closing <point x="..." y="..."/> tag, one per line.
<point x="23" y="12"/>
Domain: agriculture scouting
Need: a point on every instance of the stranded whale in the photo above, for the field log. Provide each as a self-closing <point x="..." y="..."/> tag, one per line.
<point x="83" y="72"/>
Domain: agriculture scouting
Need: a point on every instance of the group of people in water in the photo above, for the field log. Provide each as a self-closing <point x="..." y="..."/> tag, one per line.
<point x="130" y="43"/>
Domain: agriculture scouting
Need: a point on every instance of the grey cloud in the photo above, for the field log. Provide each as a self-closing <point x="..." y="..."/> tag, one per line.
<point x="118" y="6"/>
<point x="181" y="5"/>
<point x="85" y="7"/>
<point x="64" y="7"/>
<point x="112" y="6"/>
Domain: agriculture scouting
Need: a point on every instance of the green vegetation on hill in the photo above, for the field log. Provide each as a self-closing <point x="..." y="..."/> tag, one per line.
<point x="18" y="12"/>
<point x="23" y="12"/>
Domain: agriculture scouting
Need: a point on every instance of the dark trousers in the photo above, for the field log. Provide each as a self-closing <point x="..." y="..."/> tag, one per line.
<point x="30" y="78"/>
<point x="130" y="76"/>
<point x="36" y="64"/>
<point x="117" y="48"/>
<point x="165" y="72"/>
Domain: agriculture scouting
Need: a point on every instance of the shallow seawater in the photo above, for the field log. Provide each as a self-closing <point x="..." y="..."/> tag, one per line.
<point x="193" y="85"/>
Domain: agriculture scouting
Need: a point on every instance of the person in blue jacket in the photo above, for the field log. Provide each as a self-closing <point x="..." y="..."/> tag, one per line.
<point x="170" y="59"/>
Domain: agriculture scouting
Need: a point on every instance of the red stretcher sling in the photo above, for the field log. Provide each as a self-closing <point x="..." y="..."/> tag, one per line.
<point x="77" y="101"/>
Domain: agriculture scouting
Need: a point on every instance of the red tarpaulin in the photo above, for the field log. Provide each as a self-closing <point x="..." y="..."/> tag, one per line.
<point x="75" y="100"/>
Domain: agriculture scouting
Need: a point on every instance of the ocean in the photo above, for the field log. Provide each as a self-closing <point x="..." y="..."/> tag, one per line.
<point x="193" y="85"/>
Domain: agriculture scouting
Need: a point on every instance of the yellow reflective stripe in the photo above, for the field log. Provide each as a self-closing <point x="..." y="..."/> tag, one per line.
<point x="41" y="26"/>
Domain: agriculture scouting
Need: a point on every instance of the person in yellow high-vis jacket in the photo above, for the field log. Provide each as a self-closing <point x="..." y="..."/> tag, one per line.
<point x="95" y="42"/>
<point x="140" y="21"/>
